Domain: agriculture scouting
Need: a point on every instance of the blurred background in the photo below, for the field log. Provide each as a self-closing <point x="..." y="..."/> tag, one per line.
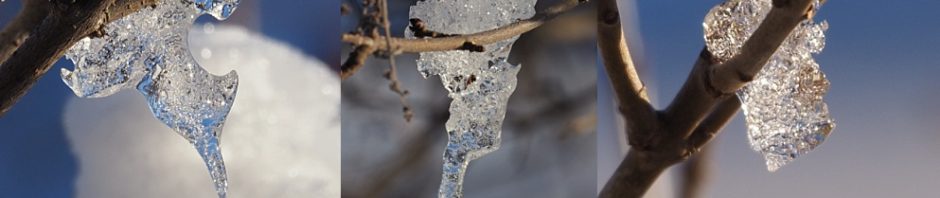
<point x="58" y="145"/>
<point x="881" y="59"/>
<point x="548" y="134"/>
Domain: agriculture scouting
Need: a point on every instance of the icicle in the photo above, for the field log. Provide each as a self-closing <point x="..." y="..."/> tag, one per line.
<point x="148" y="50"/>
<point x="786" y="116"/>
<point x="478" y="82"/>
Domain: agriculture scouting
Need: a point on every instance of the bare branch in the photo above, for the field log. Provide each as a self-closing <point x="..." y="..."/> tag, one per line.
<point x="392" y="73"/>
<point x="18" y="30"/>
<point x="674" y="134"/>
<point x="709" y="128"/>
<point x="634" y="176"/>
<point x="631" y="93"/>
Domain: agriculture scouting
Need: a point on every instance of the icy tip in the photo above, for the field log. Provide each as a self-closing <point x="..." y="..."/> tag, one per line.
<point x="774" y="161"/>
<point x="66" y="76"/>
<point x="771" y="167"/>
<point x="220" y="9"/>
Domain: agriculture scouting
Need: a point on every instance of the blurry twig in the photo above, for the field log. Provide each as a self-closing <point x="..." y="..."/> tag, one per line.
<point x="414" y="151"/>
<point x="694" y="173"/>
<point x="392" y="73"/>
<point x="375" y="17"/>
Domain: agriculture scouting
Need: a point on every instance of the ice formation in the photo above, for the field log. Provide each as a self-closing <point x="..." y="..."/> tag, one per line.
<point x="478" y="82"/>
<point x="786" y="116"/>
<point x="272" y="147"/>
<point x="148" y="50"/>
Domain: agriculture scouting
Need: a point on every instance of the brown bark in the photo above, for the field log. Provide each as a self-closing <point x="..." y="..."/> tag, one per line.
<point x="660" y="139"/>
<point x="63" y="25"/>
<point x="392" y="45"/>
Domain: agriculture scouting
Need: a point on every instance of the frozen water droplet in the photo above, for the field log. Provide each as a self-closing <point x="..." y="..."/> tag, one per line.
<point x="148" y="51"/>
<point x="786" y="116"/>
<point x="479" y="83"/>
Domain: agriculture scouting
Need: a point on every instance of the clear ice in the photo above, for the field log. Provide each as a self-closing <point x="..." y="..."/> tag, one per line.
<point x="783" y="106"/>
<point x="479" y="83"/>
<point x="148" y="50"/>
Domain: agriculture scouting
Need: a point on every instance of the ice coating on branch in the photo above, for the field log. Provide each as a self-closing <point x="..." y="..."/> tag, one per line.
<point x="783" y="106"/>
<point x="148" y="50"/>
<point x="479" y="83"/>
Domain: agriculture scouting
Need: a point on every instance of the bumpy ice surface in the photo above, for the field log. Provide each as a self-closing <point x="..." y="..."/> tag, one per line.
<point x="148" y="50"/>
<point x="282" y="136"/>
<point x="783" y="106"/>
<point x="478" y="82"/>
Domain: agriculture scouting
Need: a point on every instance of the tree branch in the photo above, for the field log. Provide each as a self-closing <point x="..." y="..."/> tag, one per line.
<point x="392" y="73"/>
<point x="631" y="93"/>
<point x="708" y="83"/>
<point x="458" y="42"/>
<point x="18" y="29"/>
<point x="634" y="176"/>
<point x="709" y="128"/>
<point x="682" y="128"/>
<point x="65" y="24"/>
<point x="357" y="58"/>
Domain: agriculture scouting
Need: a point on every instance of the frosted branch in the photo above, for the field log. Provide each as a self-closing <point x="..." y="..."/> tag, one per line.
<point x="63" y="26"/>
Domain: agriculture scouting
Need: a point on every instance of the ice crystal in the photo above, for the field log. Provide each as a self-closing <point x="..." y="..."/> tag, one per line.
<point x="786" y="116"/>
<point x="148" y="50"/>
<point x="479" y="83"/>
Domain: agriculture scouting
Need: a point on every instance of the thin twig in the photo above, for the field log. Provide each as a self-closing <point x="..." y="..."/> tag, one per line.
<point x="16" y="32"/>
<point x="472" y="42"/>
<point x="633" y="101"/>
<point x="402" y="45"/>
<point x="392" y="73"/>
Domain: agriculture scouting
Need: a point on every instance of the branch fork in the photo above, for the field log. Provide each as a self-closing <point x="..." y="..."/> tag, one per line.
<point x="704" y="104"/>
